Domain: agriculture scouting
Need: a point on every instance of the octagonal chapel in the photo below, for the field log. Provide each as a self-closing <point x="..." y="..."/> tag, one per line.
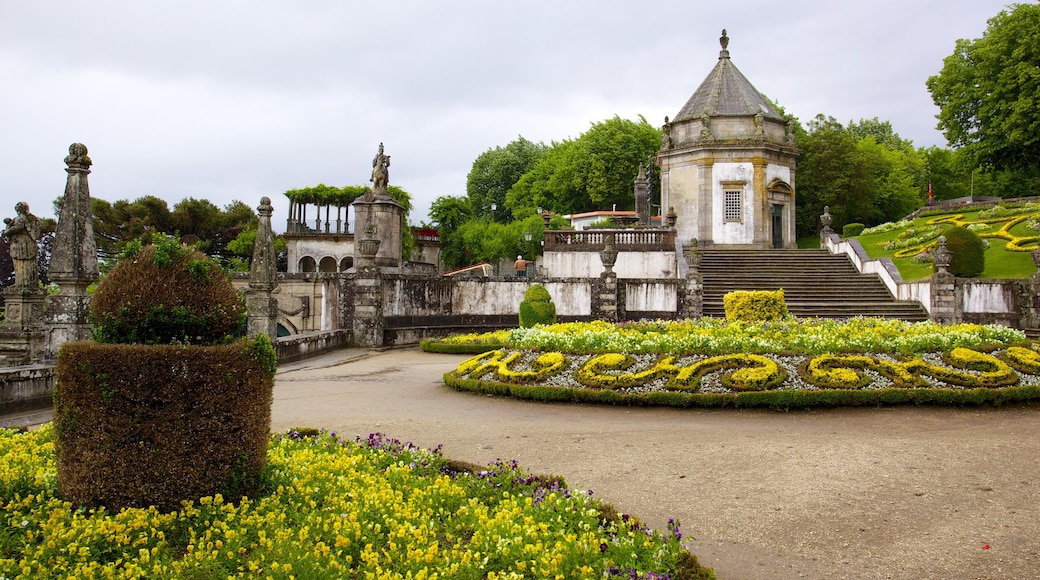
<point x="727" y="164"/>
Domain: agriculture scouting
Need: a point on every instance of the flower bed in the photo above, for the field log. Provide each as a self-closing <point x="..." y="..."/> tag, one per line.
<point x="366" y="508"/>
<point x="793" y="363"/>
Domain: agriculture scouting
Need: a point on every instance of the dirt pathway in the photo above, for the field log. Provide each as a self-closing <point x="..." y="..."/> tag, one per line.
<point x="850" y="493"/>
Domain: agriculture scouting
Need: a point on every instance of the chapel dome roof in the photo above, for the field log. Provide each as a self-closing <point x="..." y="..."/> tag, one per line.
<point x="726" y="92"/>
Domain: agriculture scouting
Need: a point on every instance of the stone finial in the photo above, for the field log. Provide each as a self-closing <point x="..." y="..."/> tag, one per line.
<point x="691" y="251"/>
<point x="825" y="220"/>
<point x="942" y="257"/>
<point x="77" y="157"/>
<point x="724" y="41"/>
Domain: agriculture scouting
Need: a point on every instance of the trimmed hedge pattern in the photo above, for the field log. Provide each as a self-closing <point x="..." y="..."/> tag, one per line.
<point x="961" y="376"/>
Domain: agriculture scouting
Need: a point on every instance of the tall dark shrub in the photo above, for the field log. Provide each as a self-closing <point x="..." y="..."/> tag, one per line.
<point x="172" y="408"/>
<point x="968" y="252"/>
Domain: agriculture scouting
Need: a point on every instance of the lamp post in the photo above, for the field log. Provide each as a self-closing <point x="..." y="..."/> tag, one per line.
<point x="494" y="206"/>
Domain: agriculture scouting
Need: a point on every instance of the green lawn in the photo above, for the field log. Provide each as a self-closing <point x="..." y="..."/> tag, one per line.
<point x="923" y="232"/>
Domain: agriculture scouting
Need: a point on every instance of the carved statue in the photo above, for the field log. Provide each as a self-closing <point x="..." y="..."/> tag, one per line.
<point x="666" y="135"/>
<point x="23" y="232"/>
<point x="380" y="170"/>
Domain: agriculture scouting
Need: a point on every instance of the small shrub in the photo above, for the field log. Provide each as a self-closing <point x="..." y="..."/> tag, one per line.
<point x="755" y="305"/>
<point x="968" y="252"/>
<point x="851" y="230"/>
<point x="537" y="307"/>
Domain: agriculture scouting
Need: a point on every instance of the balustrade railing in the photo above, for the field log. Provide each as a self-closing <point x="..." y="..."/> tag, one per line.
<point x="641" y="240"/>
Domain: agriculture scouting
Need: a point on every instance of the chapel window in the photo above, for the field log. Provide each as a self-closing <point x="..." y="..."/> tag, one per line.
<point x="732" y="206"/>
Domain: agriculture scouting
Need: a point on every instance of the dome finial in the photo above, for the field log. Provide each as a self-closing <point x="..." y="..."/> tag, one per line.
<point x="724" y="41"/>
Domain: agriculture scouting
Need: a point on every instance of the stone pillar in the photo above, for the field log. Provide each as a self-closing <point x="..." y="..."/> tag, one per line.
<point x="368" y="308"/>
<point x="642" y="188"/>
<point x="74" y="264"/>
<point x="605" y="289"/>
<point x="261" y="306"/>
<point x="761" y="197"/>
<point x="692" y="299"/>
<point x="943" y="287"/>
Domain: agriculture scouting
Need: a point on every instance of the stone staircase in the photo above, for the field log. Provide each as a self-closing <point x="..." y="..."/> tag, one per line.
<point x="816" y="283"/>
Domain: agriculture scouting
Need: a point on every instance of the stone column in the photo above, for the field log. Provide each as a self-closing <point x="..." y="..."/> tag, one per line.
<point x="261" y="305"/>
<point x="642" y="187"/>
<point x="74" y="264"/>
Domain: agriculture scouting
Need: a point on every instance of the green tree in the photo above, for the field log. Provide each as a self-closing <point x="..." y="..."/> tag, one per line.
<point x="448" y="214"/>
<point x="988" y="91"/>
<point x="832" y="172"/>
<point x="596" y="170"/>
<point x="495" y="171"/>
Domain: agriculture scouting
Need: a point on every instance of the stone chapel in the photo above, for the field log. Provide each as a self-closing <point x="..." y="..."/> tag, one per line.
<point x="727" y="164"/>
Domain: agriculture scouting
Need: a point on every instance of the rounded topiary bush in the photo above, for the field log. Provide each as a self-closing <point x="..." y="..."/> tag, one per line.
<point x="850" y="230"/>
<point x="968" y="252"/>
<point x="164" y="293"/>
<point x="537" y="307"/>
<point x="176" y="409"/>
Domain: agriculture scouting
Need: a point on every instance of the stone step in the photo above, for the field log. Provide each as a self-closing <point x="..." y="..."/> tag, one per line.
<point x="816" y="283"/>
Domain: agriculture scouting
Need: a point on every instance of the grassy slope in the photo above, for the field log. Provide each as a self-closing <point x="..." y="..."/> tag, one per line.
<point x="999" y="262"/>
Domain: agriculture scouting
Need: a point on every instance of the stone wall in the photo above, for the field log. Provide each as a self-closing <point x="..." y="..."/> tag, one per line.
<point x="26" y="388"/>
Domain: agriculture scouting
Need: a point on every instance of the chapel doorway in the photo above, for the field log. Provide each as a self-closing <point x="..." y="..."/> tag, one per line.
<point x="778" y="226"/>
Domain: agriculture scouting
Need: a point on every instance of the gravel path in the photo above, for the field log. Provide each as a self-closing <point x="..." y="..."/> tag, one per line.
<point x="847" y="493"/>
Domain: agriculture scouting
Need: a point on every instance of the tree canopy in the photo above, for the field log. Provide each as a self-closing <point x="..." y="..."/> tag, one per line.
<point x="594" y="171"/>
<point x="196" y="221"/>
<point x="865" y="172"/>
<point x="988" y="91"/>
<point x="495" y="171"/>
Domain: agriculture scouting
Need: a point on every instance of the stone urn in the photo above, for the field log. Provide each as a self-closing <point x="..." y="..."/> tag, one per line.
<point x="671" y="217"/>
<point x="691" y="252"/>
<point x="368" y="247"/>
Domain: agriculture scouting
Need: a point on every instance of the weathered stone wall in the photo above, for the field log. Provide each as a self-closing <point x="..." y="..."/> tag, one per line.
<point x="293" y="348"/>
<point x="629" y="265"/>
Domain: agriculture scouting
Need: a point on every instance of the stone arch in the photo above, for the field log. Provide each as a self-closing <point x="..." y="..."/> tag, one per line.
<point x="327" y="264"/>
<point x="346" y="263"/>
<point x="307" y="264"/>
<point x="780" y="186"/>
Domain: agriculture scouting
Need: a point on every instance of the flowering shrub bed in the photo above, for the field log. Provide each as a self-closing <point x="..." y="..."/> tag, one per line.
<point x="790" y="363"/>
<point x="369" y="508"/>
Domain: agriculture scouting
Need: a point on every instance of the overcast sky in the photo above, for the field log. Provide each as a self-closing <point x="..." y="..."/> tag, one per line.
<point x="234" y="100"/>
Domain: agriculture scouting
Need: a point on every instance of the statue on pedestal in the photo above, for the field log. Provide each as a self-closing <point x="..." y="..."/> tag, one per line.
<point x="23" y="233"/>
<point x="380" y="174"/>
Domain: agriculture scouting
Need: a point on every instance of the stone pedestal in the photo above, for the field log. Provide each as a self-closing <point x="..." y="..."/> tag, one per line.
<point x="386" y="217"/>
